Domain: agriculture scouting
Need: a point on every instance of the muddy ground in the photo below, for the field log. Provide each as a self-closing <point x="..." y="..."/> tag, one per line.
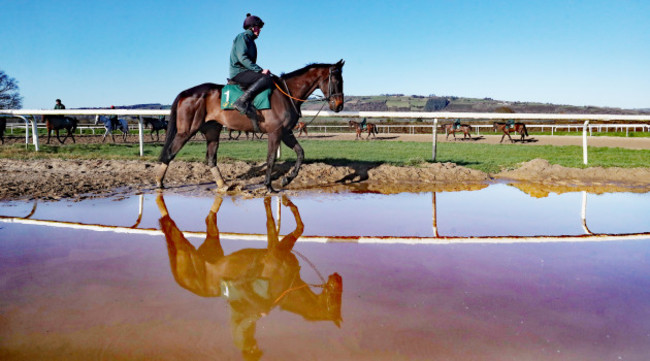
<point x="80" y="179"/>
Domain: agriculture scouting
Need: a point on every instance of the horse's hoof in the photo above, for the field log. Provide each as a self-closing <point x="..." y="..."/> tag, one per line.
<point x="269" y="189"/>
<point x="286" y="181"/>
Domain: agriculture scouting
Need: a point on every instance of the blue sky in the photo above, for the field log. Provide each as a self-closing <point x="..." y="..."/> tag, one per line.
<point x="99" y="53"/>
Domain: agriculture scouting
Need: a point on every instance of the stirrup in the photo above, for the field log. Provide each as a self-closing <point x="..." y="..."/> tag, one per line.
<point x="251" y="113"/>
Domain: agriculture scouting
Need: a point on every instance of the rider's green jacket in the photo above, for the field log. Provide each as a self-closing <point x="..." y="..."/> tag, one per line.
<point x="243" y="54"/>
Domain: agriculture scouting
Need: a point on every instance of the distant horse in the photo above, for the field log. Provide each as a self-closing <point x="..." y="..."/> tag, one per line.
<point x="156" y="125"/>
<point x="253" y="281"/>
<point x="372" y="129"/>
<point x="517" y="127"/>
<point x="255" y="136"/>
<point x="3" y="127"/>
<point x="301" y="127"/>
<point x="58" y="122"/>
<point x="199" y="109"/>
<point x="465" y="128"/>
<point x="122" y="125"/>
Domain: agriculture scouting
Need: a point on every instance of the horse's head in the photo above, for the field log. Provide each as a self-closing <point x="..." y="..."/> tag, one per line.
<point x="332" y="292"/>
<point x="332" y="86"/>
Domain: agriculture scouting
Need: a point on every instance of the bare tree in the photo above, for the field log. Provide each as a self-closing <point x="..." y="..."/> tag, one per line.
<point x="9" y="93"/>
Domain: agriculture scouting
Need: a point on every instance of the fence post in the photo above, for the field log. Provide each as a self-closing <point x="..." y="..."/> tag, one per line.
<point x="584" y="141"/>
<point x="435" y="138"/>
<point x="141" y="134"/>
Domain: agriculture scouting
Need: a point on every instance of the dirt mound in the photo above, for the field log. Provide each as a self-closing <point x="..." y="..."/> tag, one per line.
<point x="79" y="179"/>
<point x="542" y="172"/>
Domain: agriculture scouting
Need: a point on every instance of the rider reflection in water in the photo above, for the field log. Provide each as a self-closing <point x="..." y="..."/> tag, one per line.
<point x="253" y="281"/>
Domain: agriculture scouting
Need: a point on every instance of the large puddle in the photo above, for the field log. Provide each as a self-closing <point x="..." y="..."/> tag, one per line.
<point x="493" y="274"/>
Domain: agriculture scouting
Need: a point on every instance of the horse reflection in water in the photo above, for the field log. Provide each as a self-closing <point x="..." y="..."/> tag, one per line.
<point x="253" y="281"/>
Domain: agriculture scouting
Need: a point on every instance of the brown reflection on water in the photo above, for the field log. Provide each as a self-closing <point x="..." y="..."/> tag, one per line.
<point x="253" y="281"/>
<point x="538" y="190"/>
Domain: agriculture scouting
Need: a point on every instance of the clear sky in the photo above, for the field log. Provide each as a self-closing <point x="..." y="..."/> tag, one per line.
<point x="100" y="53"/>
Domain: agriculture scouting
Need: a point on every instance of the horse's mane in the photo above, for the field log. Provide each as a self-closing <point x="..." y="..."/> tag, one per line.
<point x="304" y="70"/>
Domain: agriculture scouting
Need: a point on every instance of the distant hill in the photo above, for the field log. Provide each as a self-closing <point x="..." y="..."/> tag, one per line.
<point x="417" y="103"/>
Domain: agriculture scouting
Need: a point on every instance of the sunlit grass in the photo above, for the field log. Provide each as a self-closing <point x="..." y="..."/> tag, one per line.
<point x="485" y="157"/>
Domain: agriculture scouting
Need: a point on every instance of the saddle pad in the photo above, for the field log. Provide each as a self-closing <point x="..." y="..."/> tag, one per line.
<point x="232" y="92"/>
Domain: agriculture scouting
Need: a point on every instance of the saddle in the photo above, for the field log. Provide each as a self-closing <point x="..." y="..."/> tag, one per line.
<point x="232" y="91"/>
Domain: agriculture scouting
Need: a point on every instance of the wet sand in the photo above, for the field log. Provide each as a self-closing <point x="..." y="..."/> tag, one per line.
<point x="79" y="179"/>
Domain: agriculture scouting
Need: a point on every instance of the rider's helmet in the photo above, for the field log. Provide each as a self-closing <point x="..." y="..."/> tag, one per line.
<point x="252" y="20"/>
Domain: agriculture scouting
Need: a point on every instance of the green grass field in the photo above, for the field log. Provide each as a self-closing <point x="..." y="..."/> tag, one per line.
<point x="484" y="157"/>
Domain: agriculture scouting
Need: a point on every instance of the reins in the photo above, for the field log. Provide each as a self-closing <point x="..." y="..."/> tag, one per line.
<point x="322" y="99"/>
<point x="291" y="288"/>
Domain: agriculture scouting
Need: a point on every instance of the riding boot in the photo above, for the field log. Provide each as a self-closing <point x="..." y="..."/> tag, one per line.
<point x="245" y="103"/>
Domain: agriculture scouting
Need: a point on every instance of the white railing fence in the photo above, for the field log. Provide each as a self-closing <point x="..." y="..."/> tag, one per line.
<point x="28" y="117"/>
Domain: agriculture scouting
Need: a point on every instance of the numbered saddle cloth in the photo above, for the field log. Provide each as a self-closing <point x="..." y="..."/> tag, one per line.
<point x="232" y="92"/>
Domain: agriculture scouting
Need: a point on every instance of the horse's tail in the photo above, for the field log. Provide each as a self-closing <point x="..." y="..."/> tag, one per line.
<point x="170" y="134"/>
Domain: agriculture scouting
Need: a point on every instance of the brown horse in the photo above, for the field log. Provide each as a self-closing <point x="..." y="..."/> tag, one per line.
<point x="371" y="128"/>
<point x="255" y="136"/>
<point x="56" y="123"/>
<point x="517" y="127"/>
<point x="301" y="127"/>
<point x="465" y="128"/>
<point x="156" y="125"/>
<point x="199" y="109"/>
<point x="253" y="281"/>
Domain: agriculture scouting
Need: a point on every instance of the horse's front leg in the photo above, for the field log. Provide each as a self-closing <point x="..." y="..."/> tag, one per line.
<point x="274" y="143"/>
<point x="59" y="138"/>
<point x="290" y="140"/>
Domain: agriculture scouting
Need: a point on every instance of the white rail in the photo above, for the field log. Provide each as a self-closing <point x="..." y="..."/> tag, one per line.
<point x="435" y="116"/>
<point x="588" y="236"/>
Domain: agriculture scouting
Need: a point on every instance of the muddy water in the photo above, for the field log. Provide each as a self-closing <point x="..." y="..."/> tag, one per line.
<point x="204" y="288"/>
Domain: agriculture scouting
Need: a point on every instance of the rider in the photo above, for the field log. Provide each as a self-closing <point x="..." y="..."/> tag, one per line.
<point x="510" y="123"/>
<point x="244" y="70"/>
<point x="59" y="105"/>
<point x="457" y="124"/>
<point x="115" y="123"/>
<point x="363" y="124"/>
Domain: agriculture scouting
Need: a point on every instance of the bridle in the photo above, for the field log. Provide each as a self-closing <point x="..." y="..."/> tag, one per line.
<point x="325" y="100"/>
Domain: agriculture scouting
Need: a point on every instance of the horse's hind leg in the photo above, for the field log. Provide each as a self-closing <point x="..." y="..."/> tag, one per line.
<point x="290" y="140"/>
<point x="167" y="155"/>
<point x="212" y="131"/>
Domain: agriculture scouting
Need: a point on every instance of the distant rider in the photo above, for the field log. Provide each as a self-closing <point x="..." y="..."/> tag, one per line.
<point x="59" y="105"/>
<point x="363" y="124"/>
<point x="115" y="123"/>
